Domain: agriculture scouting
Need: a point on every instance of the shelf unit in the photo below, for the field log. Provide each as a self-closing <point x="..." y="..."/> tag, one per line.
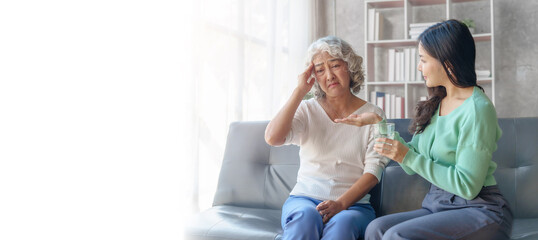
<point x="376" y="51"/>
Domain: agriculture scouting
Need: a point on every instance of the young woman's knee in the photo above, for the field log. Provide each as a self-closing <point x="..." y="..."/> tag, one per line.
<point x="376" y="229"/>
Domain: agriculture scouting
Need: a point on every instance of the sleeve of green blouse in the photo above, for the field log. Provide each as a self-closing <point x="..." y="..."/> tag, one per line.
<point x="477" y="142"/>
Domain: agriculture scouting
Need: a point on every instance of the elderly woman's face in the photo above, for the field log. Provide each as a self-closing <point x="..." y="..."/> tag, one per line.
<point x="331" y="73"/>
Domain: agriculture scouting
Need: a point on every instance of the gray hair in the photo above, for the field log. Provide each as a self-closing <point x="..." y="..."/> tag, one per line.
<point x="338" y="48"/>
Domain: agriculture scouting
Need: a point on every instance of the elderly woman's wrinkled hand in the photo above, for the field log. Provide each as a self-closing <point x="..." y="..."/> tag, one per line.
<point x="360" y="120"/>
<point x="306" y="80"/>
<point x="327" y="209"/>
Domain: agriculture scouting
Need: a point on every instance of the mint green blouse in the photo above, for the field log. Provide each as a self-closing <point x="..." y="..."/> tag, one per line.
<point x="455" y="151"/>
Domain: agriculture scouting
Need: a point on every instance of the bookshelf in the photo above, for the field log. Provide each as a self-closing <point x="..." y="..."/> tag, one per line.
<point x="387" y="36"/>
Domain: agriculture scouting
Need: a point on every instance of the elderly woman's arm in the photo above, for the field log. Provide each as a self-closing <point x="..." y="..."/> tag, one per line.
<point x="279" y="127"/>
<point x="358" y="190"/>
<point x="360" y="120"/>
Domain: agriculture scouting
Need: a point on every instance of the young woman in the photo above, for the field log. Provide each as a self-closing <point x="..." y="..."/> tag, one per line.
<point x="338" y="165"/>
<point x="456" y="132"/>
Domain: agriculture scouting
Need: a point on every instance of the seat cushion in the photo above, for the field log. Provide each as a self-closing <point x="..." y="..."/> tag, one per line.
<point x="525" y="229"/>
<point x="231" y="222"/>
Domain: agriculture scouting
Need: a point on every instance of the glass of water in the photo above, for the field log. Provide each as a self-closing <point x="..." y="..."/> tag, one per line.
<point x="384" y="130"/>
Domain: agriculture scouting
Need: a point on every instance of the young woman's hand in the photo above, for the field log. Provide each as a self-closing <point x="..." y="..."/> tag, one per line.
<point x="306" y="80"/>
<point x="392" y="149"/>
<point x="327" y="209"/>
<point x="360" y="119"/>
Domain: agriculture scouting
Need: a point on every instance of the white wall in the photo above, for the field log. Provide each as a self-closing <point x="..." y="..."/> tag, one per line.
<point x="92" y="99"/>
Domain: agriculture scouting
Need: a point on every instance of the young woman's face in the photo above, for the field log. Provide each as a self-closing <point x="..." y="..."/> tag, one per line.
<point x="433" y="72"/>
<point x="331" y="73"/>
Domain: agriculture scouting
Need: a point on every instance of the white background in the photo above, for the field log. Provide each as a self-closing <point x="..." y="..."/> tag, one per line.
<point x="92" y="99"/>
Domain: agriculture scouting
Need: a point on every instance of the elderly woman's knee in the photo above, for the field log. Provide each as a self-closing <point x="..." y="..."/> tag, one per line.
<point x="307" y="215"/>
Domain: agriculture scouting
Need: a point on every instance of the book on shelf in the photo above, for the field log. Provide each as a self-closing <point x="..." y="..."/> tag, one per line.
<point x="379" y="26"/>
<point x="397" y="65"/>
<point x="371" y="23"/>
<point x="380" y="102"/>
<point x="375" y="25"/>
<point x="421" y="25"/>
<point x="415" y="29"/>
<point x="413" y="67"/>
<point x="400" y="109"/>
<point x="418" y="76"/>
<point x="374" y="95"/>
<point x="392" y="55"/>
<point x="387" y="105"/>
<point x="401" y="73"/>
<point x="483" y="73"/>
<point x="391" y="104"/>
<point x="402" y="65"/>
<point x="407" y="64"/>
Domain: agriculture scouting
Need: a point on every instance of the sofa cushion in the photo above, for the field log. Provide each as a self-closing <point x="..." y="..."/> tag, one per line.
<point x="525" y="229"/>
<point x="231" y="222"/>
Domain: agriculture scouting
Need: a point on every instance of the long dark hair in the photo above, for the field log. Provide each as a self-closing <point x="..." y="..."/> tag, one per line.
<point x="452" y="44"/>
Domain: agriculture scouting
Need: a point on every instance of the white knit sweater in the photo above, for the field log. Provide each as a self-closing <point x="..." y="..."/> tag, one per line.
<point x="333" y="156"/>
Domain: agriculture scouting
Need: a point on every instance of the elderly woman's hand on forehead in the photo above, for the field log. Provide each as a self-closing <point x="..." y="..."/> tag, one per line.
<point x="306" y="80"/>
<point x="360" y="119"/>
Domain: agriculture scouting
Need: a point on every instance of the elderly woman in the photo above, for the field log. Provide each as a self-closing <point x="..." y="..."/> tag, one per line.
<point x="338" y="165"/>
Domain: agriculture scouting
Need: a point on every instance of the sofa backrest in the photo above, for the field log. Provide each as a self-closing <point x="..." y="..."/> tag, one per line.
<point x="254" y="174"/>
<point x="517" y="165"/>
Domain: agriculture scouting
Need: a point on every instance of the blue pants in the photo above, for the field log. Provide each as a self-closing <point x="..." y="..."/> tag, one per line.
<point x="301" y="220"/>
<point x="446" y="216"/>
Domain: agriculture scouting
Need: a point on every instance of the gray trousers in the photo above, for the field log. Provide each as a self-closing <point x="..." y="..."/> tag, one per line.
<point x="446" y="216"/>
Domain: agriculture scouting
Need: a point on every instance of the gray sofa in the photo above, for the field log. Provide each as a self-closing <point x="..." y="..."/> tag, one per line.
<point x="255" y="180"/>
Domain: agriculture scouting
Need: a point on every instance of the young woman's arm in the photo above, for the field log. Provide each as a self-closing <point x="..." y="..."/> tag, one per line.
<point x="476" y="142"/>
